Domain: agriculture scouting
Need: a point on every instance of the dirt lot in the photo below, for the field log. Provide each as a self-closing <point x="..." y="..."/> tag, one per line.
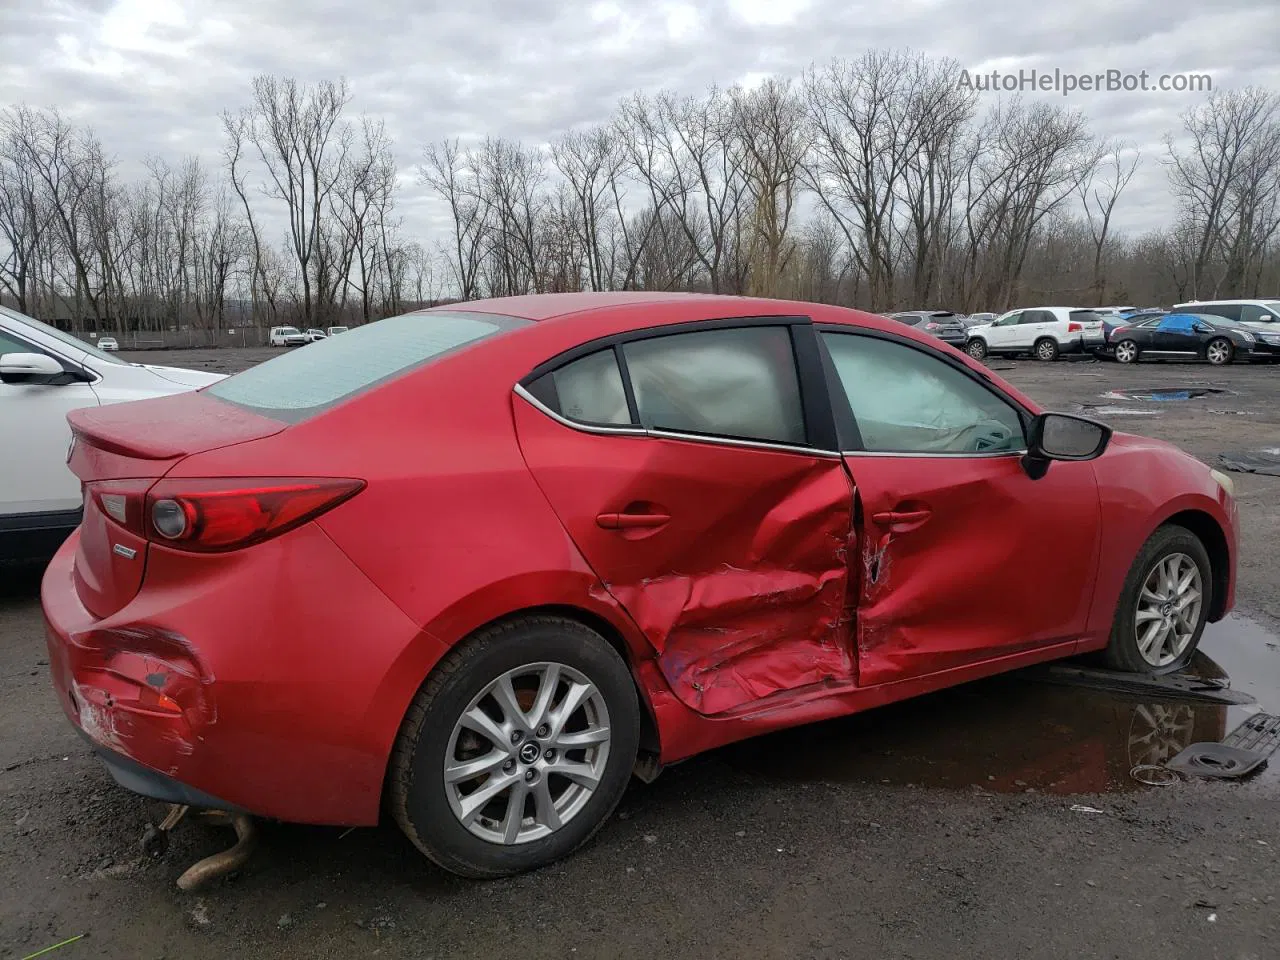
<point x="941" y="827"/>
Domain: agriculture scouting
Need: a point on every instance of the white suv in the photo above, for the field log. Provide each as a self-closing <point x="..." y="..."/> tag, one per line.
<point x="45" y="374"/>
<point x="1259" y="314"/>
<point x="1043" y="332"/>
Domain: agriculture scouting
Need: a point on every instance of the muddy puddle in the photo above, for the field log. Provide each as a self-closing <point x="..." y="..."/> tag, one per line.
<point x="1165" y="394"/>
<point x="1019" y="733"/>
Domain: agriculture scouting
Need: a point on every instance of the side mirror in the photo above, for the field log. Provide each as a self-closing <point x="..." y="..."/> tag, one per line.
<point x="31" y="368"/>
<point x="1061" y="436"/>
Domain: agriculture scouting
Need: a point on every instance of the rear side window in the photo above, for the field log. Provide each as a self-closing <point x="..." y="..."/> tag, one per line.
<point x="1230" y="311"/>
<point x="319" y="375"/>
<point x="735" y="382"/>
<point x="588" y="390"/>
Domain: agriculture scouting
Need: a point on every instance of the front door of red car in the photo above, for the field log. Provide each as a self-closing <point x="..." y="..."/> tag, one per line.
<point x="963" y="558"/>
<point x="691" y="485"/>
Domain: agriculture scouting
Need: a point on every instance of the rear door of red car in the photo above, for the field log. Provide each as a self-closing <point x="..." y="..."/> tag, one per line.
<point x="962" y="556"/>
<point x="697" y="471"/>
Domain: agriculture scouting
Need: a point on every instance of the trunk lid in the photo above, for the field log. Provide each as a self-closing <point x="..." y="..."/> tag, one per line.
<point x="118" y="452"/>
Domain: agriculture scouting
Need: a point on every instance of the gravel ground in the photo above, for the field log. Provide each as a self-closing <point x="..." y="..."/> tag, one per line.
<point x="941" y="827"/>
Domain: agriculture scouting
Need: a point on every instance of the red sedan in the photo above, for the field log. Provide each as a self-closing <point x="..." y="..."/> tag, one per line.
<point x="477" y="565"/>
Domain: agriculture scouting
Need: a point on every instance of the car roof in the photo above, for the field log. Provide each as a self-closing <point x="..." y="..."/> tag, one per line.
<point x="672" y="307"/>
<point x="1205" y="303"/>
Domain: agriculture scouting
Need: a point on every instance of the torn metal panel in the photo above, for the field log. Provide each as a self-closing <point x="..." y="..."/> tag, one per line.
<point x="736" y="568"/>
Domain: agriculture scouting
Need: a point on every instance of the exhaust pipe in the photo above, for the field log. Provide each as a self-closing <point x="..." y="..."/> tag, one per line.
<point x="220" y="864"/>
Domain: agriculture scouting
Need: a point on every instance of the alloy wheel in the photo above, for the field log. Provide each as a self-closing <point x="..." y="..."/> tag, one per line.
<point x="1219" y="352"/>
<point x="1168" y="609"/>
<point x="1127" y="352"/>
<point x="527" y="754"/>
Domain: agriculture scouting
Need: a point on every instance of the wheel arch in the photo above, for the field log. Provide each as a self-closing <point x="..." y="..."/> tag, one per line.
<point x="647" y="762"/>
<point x="1208" y="531"/>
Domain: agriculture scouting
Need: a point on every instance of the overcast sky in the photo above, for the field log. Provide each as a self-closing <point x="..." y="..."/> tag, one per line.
<point x="152" y="75"/>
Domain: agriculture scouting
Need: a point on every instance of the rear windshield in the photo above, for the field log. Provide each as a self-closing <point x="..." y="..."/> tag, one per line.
<point x="1085" y="316"/>
<point x="309" y="380"/>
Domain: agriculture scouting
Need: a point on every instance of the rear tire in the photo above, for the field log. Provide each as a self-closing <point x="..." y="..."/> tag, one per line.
<point x="1046" y="349"/>
<point x="1219" y="352"/>
<point x="976" y="348"/>
<point x="1127" y="351"/>
<point x="558" y="809"/>
<point x="1154" y="631"/>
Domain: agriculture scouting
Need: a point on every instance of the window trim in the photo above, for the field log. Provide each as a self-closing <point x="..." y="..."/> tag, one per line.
<point x="806" y="353"/>
<point x="850" y="429"/>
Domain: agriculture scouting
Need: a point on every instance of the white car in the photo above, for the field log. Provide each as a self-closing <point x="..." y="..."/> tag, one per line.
<point x="45" y="374"/>
<point x="286" y="337"/>
<point x="108" y="344"/>
<point x="314" y="334"/>
<point x="1044" y="332"/>
<point x="334" y="331"/>
<point x="1259" y="314"/>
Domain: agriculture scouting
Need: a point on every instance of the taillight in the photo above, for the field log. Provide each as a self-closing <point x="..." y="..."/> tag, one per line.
<point x="215" y="515"/>
<point x="1074" y="328"/>
<point x="932" y="326"/>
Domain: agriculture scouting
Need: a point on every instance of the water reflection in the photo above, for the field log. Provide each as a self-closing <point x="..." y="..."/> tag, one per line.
<point x="1016" y="733"/>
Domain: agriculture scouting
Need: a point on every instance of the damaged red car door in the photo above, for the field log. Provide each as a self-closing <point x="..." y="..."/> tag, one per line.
<point x="963" y="557"/>
<point x="682" y="467"/>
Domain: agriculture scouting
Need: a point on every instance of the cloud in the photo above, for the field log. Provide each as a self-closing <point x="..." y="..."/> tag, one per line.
<point x="151" y="76"/>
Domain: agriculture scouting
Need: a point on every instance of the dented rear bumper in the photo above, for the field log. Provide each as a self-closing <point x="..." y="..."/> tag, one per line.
<point x="257" y="691"/>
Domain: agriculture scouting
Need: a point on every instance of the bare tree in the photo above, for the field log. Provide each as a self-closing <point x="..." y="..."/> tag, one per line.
<point x="301" y="142"/>
<point x="1099" y="192"/>
<point x="1226" y="184"/>
<point x="445" y="170"/>
<point x="770" y="123"/>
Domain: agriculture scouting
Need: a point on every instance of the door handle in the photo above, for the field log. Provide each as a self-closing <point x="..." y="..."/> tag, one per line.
<point x="900" y="521"/>
<point x="631" y="521"/>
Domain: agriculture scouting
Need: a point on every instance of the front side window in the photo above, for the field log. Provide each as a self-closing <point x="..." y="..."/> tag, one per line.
<point x="10" y="344"/>
<point x="1009" y="319"/>
<point x="588" y="390"/>
<point x="738" y="383"/>
<point x="72" y="342"/>
<point x="907" y="401"/>
<point x="1251" y="313"/>
<point x="1177" y="323"/>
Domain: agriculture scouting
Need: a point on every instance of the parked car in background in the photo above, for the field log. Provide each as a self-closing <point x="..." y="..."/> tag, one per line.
<point x="974" y="319"/>
<point x="108" y="344"/>
<point x="677" y="521"/>
<point x="334" y="331"/>
<point x="1114" y="322"/>
<point x="314" y="334"/>
<point x="45" y="374"/>
<point x="1043" y="332"/>
<point x="1192" y="336"/>
<point x="1116" y="310"/>
<point x="942" y="324"/>
<point x="286" y="337"/>
<point x="1263" y="314"/>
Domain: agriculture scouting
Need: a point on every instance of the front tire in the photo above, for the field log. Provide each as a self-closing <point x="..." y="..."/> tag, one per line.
<point x="1046" y="350"/>
<point x="1127" y="351"/>
<point x="1164" y="605"/>
<point x="517" y="749"/>
<point x="976" y="348"/>
<point x="1219" y="352"/>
